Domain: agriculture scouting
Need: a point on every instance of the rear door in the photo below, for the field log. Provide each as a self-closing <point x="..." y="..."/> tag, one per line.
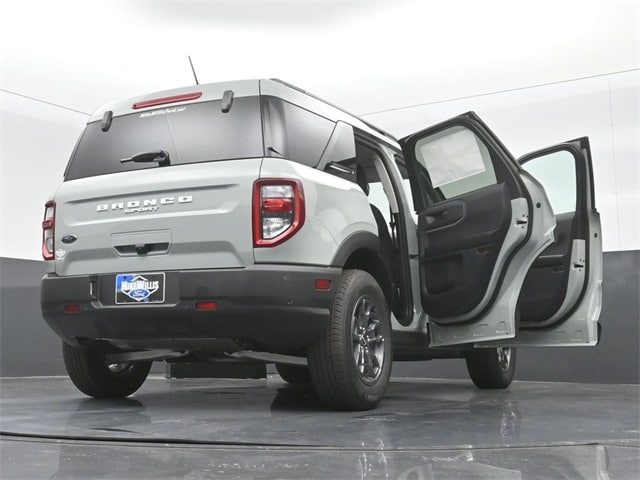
<point x="562" y="294"/>
<point x="482" y="221"/>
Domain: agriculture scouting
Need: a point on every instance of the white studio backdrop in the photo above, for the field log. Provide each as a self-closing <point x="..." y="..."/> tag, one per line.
<point x="537" y="72"/>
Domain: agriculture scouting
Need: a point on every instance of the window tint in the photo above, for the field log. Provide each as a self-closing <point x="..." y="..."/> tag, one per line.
<point x="294" y="133"/>
<point x="557" y="173"/>
<point x="190" y="133"/>
<point x="456" y="162"/>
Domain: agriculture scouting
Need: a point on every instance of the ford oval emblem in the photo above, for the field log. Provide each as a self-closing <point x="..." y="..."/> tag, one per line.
<point x="69" y="238"/>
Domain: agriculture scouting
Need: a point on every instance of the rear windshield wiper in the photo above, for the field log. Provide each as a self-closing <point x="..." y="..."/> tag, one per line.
<point x="160" y="156"/>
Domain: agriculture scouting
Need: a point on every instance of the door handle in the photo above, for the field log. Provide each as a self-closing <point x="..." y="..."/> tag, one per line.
<point x="436" y="216"/>
<point x="142" y="248"/>
<point x="444" y="215"/>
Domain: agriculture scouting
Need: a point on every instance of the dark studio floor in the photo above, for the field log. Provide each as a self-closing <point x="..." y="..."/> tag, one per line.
<point x="423" y="429"/>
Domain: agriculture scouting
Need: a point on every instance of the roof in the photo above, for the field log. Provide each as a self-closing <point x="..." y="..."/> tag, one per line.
<point x="245" y="88"/>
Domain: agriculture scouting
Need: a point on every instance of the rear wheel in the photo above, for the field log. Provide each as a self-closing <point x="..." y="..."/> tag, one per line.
<point x="93" y="376"/>
<point x="351" y="363"/>
<point x="492" y="368"/>
<point x="293" y="374"/>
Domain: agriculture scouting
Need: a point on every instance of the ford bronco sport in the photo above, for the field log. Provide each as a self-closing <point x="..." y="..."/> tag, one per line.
<point x="251" y="219"/>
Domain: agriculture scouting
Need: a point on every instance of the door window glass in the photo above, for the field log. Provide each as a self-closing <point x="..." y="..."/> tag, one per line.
<point x="456" y="161"/>
<point x="406" y="184"/>
<point x="378" y="198"/>
<point x="556" y="172"/>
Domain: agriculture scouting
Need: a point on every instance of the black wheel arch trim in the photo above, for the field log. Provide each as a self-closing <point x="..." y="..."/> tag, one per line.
<point x="356" y="241"/>
<point x="370" y="243"/>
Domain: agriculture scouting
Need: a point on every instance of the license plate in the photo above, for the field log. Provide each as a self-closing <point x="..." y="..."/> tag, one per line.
<point x="139" y="288"/>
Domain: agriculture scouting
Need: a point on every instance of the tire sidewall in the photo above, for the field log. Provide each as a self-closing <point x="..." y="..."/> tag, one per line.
<point x="89" y="372"/>
<point x="485" y="370"/>
<point x="362" y="284"/>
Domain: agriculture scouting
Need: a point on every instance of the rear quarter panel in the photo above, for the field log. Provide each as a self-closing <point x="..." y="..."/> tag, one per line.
<point x="335" y="209"/>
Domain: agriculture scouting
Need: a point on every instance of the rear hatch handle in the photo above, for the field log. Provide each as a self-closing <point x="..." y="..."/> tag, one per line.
<point x="160" y="156"/>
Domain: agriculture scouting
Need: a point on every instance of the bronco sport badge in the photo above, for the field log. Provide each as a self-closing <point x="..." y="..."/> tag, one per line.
<point x="135" y="288"/>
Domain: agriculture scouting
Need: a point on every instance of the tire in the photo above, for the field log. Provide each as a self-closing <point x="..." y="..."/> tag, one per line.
<point x="90" y="373"/>
<point x="350" y="364"/>
<point x="293" y="374"/>
<point x="492" y="368"/>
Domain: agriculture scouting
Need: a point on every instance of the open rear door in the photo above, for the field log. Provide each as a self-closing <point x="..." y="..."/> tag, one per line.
<point x="562" y="294"/>
<point x="481" y="223"/>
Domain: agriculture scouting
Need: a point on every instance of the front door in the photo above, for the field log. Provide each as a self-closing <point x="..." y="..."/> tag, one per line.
<point x="481" y="223"/>
<point x="562" y="294"/>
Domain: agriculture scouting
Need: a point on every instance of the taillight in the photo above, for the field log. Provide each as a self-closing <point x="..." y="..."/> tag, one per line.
<point x="278" y="211"/>
<point x="48" y="230"/>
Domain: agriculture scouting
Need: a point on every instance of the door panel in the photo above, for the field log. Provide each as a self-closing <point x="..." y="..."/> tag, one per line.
<point x="561" y="297"/>
<point x="547" y="279"/>
<point x="480" y="226"/>
<point x="459" y="241"/>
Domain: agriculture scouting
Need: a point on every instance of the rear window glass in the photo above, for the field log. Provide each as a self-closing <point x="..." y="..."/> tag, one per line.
<point x="197" y="132"/>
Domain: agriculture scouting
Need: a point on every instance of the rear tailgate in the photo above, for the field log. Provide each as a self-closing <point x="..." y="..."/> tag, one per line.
<point x="190" y="216"/>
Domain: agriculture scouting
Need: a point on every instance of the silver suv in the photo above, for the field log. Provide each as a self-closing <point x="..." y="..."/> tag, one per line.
<point x="251" y="219"/>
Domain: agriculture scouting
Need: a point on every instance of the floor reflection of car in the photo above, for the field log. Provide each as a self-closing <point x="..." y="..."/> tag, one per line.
<point x="130" y="438"/>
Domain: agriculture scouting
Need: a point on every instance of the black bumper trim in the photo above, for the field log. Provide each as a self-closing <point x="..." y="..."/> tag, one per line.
<point x="276" y="306"/>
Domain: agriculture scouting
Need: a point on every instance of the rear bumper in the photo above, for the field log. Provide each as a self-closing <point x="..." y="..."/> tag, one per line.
<point x="275" y="306"/>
